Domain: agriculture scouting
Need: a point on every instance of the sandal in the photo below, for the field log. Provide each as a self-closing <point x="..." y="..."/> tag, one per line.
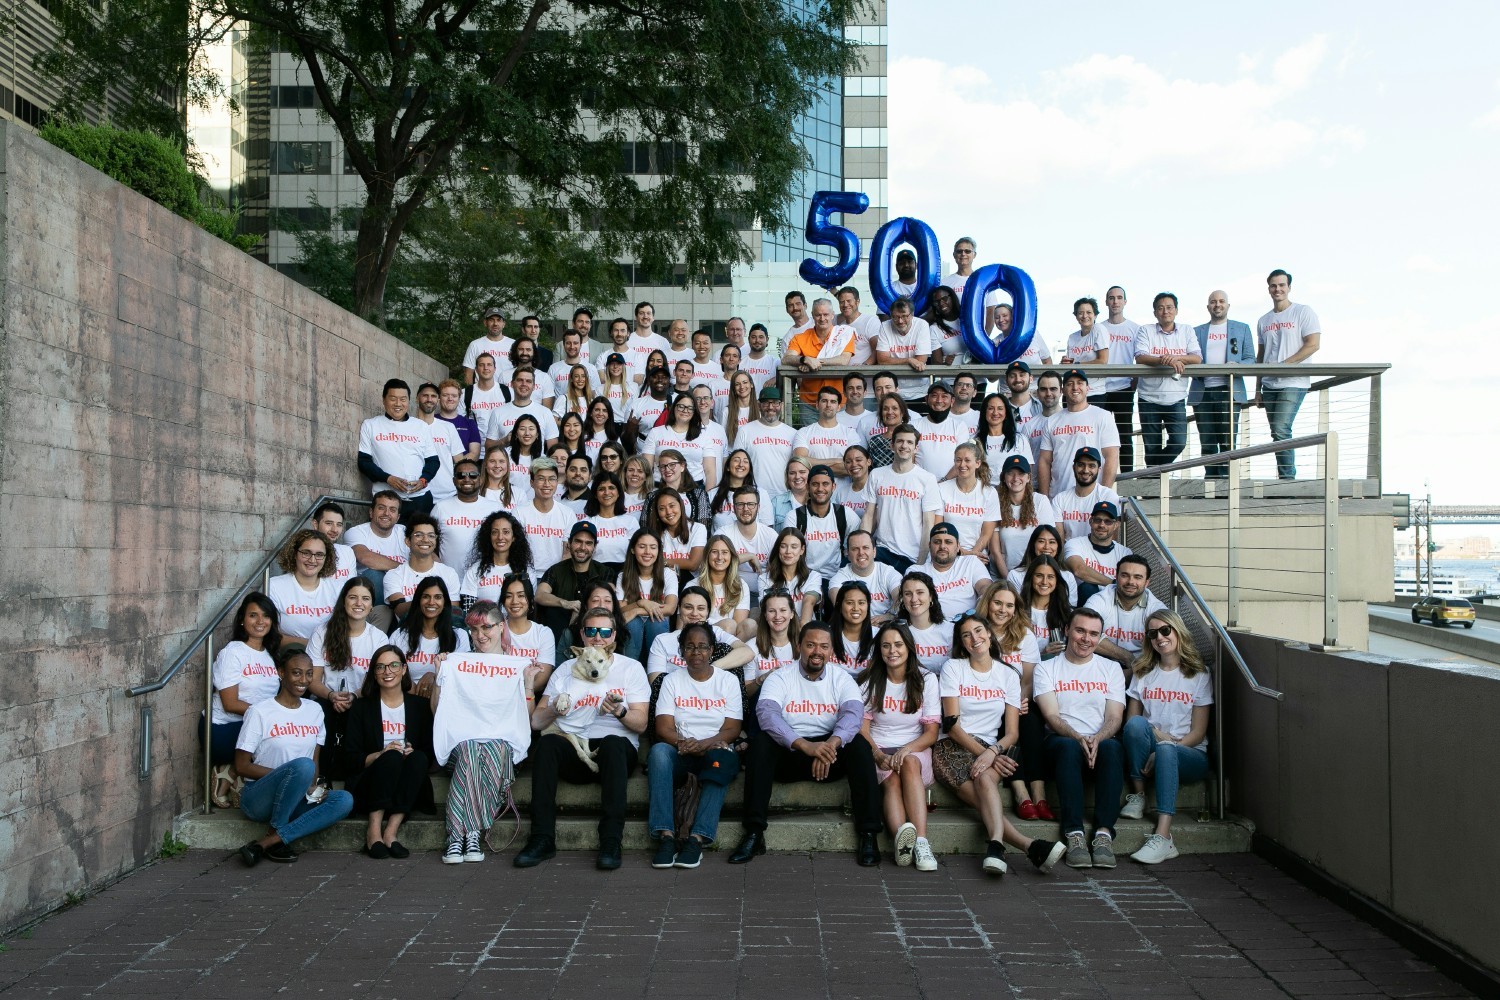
<point x="223" y="778"/>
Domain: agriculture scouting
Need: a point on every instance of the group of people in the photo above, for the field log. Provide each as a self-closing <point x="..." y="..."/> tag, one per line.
<point x="563" y="557"/>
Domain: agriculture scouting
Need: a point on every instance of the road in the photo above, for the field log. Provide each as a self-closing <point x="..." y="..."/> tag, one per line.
<point x="1386" y="645"/>
<point x="1487" y="631"/>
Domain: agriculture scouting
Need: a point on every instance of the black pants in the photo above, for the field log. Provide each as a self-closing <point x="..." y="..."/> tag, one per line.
<point x="553" y="757"/>
<point x="417" y="505"/>
<point x="1033" y="738"/>
<point x="1121" y="403"/>
<point x="392" y="784"/>
<point x="769" y="762"/>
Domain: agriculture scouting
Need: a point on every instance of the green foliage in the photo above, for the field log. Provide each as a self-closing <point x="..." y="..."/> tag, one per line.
<point x="148" y="164"/>
<point x="171" y="846"/>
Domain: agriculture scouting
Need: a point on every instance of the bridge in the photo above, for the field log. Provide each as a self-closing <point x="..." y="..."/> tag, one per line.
<point x="1465" y="514"/>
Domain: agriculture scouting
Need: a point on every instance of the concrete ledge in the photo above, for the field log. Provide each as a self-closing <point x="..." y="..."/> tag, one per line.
<point x="950" y="832"/>
<point x="1446" y="637"/>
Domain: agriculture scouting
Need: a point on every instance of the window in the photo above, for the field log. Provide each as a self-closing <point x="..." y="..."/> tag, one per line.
<point x="301" y="157"/>
<point x="864" y="86"/>
<point x="872" y="186"/>
<point x="865" y="34"/>
<point x="295" y="219"/>
<point x="864" y="138"/>
<point x="295" y="97"/>
<point x="651" y="157"/>
<point x="32" y="114"/>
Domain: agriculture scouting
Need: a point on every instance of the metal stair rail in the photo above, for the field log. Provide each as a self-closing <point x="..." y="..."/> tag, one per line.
<point x="258" y="580"/>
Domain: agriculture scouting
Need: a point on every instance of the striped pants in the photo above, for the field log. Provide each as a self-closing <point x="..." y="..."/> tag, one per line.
<point x="482" y="773"/>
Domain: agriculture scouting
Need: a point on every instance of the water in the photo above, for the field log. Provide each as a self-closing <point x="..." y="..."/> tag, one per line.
<point x="1471" y="575"/>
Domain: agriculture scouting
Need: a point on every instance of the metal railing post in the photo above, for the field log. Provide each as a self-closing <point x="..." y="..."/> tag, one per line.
<point x="1372" y="437"/>
<point x="1218" y="718"/>
<point x="1232" y="547"/>
<point x="1164" y="504"/>
<point x="1331" y="540"/>
<point x="1322" y="428"/>
<point x="208" y="724"/>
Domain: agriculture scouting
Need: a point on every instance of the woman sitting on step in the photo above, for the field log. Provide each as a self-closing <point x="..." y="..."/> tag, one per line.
<point x="388" y="749"/>
<point x="244" y="673"/>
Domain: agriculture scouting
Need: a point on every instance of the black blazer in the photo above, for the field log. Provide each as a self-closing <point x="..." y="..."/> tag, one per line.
<point x="363" y="737"/>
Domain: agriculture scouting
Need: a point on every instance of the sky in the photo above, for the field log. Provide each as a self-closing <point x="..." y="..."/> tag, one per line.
<point x="1189" y="147"/>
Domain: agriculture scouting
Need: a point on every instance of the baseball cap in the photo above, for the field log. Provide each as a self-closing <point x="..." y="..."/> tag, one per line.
<point x="1088" y="451"/>
<point x="615" y="356"/>
<point x="1075" y="373"/>
<point x="493" y="311"/>
<point x="1106" y="508"/>
<point x="770" y="392"/>
<point x="584" y="527"/>
<point x="1016" y="462"/>
<point x="821" y="470"/>
<point x="943" y="528"/>
<point x="1018" y="366"/>
<point x="942" y="384"/>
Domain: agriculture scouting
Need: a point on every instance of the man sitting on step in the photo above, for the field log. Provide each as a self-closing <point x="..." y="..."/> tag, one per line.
<point x="809" y="731"/>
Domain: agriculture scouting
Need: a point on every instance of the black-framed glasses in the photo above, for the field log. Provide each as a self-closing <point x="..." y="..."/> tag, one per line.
<point x="598" y="631"/>
<point x="310" y="554"/>
<point x="1160" y="632"/>
<point x="390" y="665"/>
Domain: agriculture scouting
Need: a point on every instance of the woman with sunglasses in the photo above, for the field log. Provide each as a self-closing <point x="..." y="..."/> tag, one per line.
<point x="901" y="723"/>
<point x="388" y="749"/>
<point x="1166" y="727"/>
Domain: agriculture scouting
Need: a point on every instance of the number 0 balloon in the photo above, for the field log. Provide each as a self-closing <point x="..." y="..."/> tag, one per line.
<point x="1017" y="284"/>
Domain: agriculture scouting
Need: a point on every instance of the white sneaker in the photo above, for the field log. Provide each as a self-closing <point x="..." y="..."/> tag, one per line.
<point x="454" y="855"/>
<point x="1135" y="806"/>
<point x="925" y="862"/>
<point x="473" y="850"/>
<point x="906" y="840"/>
<point x="1155" y="850"/>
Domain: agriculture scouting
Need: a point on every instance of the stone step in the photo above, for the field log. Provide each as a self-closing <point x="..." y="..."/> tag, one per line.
<point x="951" y="831"/>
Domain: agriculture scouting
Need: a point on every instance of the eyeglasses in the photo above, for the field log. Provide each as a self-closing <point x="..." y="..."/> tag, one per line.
<point x="466" y="475"/>
<point x="390" y="666"/>
<point x="310" y="554"/>
<point x="598" y="631"/>
<point x="963" y="253"/>
<point x="1160" y="632"/>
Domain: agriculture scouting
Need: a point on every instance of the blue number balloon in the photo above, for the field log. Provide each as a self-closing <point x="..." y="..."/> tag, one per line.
<point x="929" y="261"/>
<point x="1017" y="283"/>
<point x="820" y="232"/>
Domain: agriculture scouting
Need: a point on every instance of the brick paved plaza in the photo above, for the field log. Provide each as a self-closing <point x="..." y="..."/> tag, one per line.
<point x="786" y="927"/>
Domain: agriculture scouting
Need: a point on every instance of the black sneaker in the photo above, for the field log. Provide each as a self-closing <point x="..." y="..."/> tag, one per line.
<point x="666" y="853"/>
<point x="1045" y="853"/>
<point x="280" y="852"/>
<point x="609" y="856"/>
<point x="251" y="854"/>
<point x="994" y="859"/>
<point x="538" y="849"/>
<point x="689" y="853"/>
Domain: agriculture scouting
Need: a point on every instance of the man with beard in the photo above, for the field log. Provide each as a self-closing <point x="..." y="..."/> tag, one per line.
<point x="576" y="476"/>
<point x="1079" y="425"/>
<point x="760" y="365"/>
<point x="460" y="516"/>
<point x="957" y="579"/>
<point x="965" y="388"/>
<point x="769" y="442"/>
<point x="444" y="437"/>
<point x="824" y="525"/>
<point x="573" y="354"/>
<point x="905" y="282"/>
<point x="494" y="343"/>
<point x="810" y="719"/>
<point x="1125" y="605"/>
<point x="1074" y="506"/>
<point x="826" y="441"/>
<point x="940" y="434"/>
<point x="1094" y="556"/>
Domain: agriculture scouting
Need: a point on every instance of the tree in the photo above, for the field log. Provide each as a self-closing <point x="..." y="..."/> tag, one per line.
<point x="544" y="94"/>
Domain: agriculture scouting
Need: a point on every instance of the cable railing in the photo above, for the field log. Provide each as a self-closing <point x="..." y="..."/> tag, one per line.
<point x="258" y="578"/>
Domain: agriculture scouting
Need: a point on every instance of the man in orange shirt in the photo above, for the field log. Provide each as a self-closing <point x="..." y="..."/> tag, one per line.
<point x="812" y="350"/>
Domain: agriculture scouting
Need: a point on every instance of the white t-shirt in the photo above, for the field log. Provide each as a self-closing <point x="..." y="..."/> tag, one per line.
<point x="982" y="697"/>
<point x="448" y="444"/>
<point x="1082" y="690"/>
<point x="1281" y="335"/>
<point x="423" y="660"/>
<point x="483" y="403"/>
<point x="699" y="708"/>
<point x="393" y="723"/>
<point x="824" y="444"/>
<point x="825" y="547"/>
<point x="392" y="546"/>
<point x="1168" y="698"/>
<point x="300" y="611"/>
<point x="1086" y="347"/>
<point x="769" y="448"/>
<point x="1100" y="562"/>
<point x="503" y="419"/>
<point x="252" y="671"/>
<point x="969" y="511"/>
<point x="665" y="658"/>
<point x="547" y="532"/>
<point x="810" y="707"/>
<point x="724" y="519"/>
<point x="1125" y="628"/>
<point x="813" y="586"/>
<point x="1028" y="652"/>
<point x="668" y="588"/>
<point x="757" y="547"/>
<point x="934" y="645"/>
<point x="483" y="698"/>
<point x="536" y="643"/>
<point x="275" y="735"/>
<point x="483" y="586"/>
<point x="497" y="349"/>
<point x="401" y="582"/>
<point x="626" y="678"/>
<point x="995" y="454"/>
<point x="614" y="536"/>
<point x="892" y="726"/>
<point x="915" y="343"/>
<point x="761" y="370"/>
<point x="956" y="585"/>
<point x="1070" y="430"/>
<point x="781" y="656"/>
<point x="561" y="370"/>
<point x="459" y="522"/>
<point x="715" y="442"/>
<point x="639" y="348"/>
<point x="399" y="447"/>
<point x="855" y="501"/>
<point x="937" y="443"/>
<point x="1121" y="347"/>
<point x="1013" y="540"/>
<point x="674" y="549"/>
<point x="1179" y="342"/>
<point x="1072" y="511"/>
<point x="345" y="563"/>
<point x="664" y="437"/>
<point x="1216" y="352"/>
<point x="901" y="499"/>
<point x="884" y="584"/>
<point x="361" y="648"/>
<point x="1037" y="353"/>
<point x="647" y="410"/>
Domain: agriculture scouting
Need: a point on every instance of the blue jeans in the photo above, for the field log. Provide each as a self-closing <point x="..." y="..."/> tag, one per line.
<point x="894" y="560"/>
<point x="666" y="769"/>
<point x="222" y="738"/>
<point x="1174" y="764"/>
<point x="1281" y="411"/>
<point x="1065" y="755"/>
<point x="1215" y="416"/>
<point x="280" y="800"/>
<point x="376" y="579"/>
<point x="641" y="632"/>
<point x="1164" y="429"/>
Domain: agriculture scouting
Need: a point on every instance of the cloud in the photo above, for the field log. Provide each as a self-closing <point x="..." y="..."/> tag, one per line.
<point x="1105" y="114"/>
<point x="1424" y="263"/>
<point x="1490" y="119"/>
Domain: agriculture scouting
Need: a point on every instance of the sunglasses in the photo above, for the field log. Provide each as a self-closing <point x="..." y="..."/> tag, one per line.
<point x="598" y="631"/>
<point x="466" y="475"/>
<point x="1160" y="632"/>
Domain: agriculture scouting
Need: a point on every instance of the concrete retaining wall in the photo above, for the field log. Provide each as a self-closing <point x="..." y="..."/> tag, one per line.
<point x="1377" y="772"/>
<point x="169" y="406"/>
<point x="1450" y="639"/>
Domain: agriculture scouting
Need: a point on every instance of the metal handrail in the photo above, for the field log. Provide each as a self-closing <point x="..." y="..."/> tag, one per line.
<point x="1224" y="457"/>
<point x="206" y="633"/>
<point x="1338" y="374"/>
<point x="1198" y="599"/>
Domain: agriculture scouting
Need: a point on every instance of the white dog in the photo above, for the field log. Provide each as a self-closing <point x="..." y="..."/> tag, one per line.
<point x="590" y="663"/>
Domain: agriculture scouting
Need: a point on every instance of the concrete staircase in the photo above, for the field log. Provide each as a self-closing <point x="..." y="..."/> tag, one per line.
<point x="806" y="817"/>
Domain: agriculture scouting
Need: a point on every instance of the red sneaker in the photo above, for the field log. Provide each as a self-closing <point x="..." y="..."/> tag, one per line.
<point x="1026" y="810"/>
<point x="1042" y="812"/>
